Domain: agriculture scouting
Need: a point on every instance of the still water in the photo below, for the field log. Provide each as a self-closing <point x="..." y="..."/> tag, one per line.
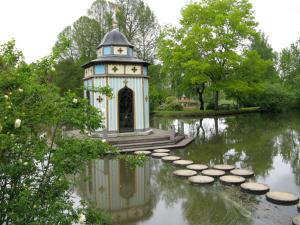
<point x="268" y="144"/>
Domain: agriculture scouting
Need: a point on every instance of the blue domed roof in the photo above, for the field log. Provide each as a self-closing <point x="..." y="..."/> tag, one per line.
<point x="115" y="37"/>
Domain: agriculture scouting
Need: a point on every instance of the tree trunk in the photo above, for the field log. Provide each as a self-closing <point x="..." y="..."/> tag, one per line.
<point x="216" y="126"/>
<point x="200" y="95"/>
<point x="216" y="100"/>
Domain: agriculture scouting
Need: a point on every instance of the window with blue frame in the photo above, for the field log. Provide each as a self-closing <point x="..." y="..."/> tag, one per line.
<point x="100" y="69"/>
<point x="107" y="50"/>
<point x="145" y="70"/>
<point x="130" y="51"/>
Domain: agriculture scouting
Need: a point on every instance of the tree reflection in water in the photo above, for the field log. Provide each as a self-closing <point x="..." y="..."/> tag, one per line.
<point x="152" y="195"/>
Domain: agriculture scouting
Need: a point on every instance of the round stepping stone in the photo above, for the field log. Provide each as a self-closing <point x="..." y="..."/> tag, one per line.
<point x="197" y="167"/>
<point x="224" y="167"/>
<point x="296" y="220"/>
<point x="184" y="173"/>
<point x="162" y="150"/>
<point x="242" y="172"/>
<point x="170" y="158"/>
<point x="201" y="179"/>
<point x="282" y="198"/>
<point x="182" y="162"/>
<point x="159" y="154"/>
<point x="231" y="179"/>
<point x="213" y="173"/>
<point x="255" y="188"/>
<point x="142" y="152"/>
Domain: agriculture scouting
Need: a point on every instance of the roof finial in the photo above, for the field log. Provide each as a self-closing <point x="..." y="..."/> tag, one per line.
<point x="115" y="25"/>
<point x="114" y="17"/>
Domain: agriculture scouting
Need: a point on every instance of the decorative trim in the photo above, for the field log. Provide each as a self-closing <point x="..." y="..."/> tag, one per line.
<point x="116" y="76"/>
<point x="143" y="87"/>
<point x="107" y="108"/>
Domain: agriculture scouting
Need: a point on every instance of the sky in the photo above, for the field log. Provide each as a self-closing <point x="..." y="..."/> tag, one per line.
<point x="35" y="24"/>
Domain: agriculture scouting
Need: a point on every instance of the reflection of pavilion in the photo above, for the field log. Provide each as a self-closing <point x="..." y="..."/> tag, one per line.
<point x="123" y="192"/>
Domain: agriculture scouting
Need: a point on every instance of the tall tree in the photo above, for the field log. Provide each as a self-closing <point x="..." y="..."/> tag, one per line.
<point x="290" y="63"/>
<point x="103" y="12"/>
<point x="210" y="39"/>
<point x="139" y="24"/>
<point x="87" y="36"/>
<point x="289" y="66"/>
<point x="261" y="45"/>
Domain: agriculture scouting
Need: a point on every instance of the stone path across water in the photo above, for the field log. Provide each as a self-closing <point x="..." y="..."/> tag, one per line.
<point x="162" y="150"/>
<point x="170" y="158"/>
<point x="238" y="176"/>
<point x="296" y="220"/>
<point x="159" y="155"/>
<point x="255" y="188"/>
<point x="213" y="172"/>
<point x="232" y="179"/>
<point x="284" y="198"/>
<point x="185" y="173"/>
<point x="142" y="152"/>
<point x="182" y="162"/>
<point x="242" y="172"/>
<point x="224" y="167"/>
<point x="197" y="167"/>
<point x="201" y="179"/>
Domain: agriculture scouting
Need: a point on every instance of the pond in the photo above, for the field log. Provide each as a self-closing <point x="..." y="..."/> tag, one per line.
<point x="268" y="144"/>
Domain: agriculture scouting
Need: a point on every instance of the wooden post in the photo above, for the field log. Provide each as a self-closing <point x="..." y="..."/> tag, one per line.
<point x="172" y="133"/>
<point x="104" y="134"/>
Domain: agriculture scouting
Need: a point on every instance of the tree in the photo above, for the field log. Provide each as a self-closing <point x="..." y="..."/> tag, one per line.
<point x="140" y="26"/>
<point x="158" y="86"/>
<point x="211" y="37"/>
<point x="290" y="63"/>
<point x="81" y="39"/>
<point x="36" y="159"/>
<point x="289" y="66"/>
<point x="261" y="45"/>
<point x="68" y="76"/>
<point x="86" y="36"/>
<point x="102" y="11"/>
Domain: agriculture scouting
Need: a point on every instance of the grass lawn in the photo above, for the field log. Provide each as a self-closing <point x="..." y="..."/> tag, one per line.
<point x="205" y="113"/>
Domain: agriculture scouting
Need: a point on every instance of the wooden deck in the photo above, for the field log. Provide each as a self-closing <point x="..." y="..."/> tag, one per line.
<point x="157" y="139"/>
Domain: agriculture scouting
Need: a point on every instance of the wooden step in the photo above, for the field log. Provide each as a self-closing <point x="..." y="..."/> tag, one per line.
<point x="117" y="141"/>
<point x="143" y="143"/>
<point x="180" y="144"/>
<point x="147" y="144"/>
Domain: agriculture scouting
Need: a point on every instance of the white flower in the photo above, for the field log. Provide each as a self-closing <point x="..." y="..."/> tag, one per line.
<point x="20" y="90"/>
<point x="6" y="96"/>
<point x="103" y="140"/>
<point x="18" y="123"/>
<point x="10" y="93"/>
<point x="75" y="100"/>
<point x="20" y="160"/>
<point x="43" y="136"/>
<point x="81" y="218"/>
<point x="25" y="163"/>
<point x="9" y="107"/>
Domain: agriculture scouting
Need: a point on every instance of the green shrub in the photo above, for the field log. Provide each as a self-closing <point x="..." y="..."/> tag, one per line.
<point x="171" y="104"/>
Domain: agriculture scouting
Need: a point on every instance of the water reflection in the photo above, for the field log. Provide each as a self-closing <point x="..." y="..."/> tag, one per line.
<point x="268" y="144"/>
<point x="113" y="186"/>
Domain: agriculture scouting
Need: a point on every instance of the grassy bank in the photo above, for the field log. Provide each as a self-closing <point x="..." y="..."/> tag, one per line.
<point x="205" y="113"/>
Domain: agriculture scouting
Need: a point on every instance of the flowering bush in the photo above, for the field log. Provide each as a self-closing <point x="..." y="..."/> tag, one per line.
<point x="35" y="158"/>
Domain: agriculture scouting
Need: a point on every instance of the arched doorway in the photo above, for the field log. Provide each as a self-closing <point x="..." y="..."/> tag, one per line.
<point x="126" y="111"/>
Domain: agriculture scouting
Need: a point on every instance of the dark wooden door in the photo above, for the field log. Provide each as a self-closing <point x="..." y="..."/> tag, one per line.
<point x="126" y="112"/>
